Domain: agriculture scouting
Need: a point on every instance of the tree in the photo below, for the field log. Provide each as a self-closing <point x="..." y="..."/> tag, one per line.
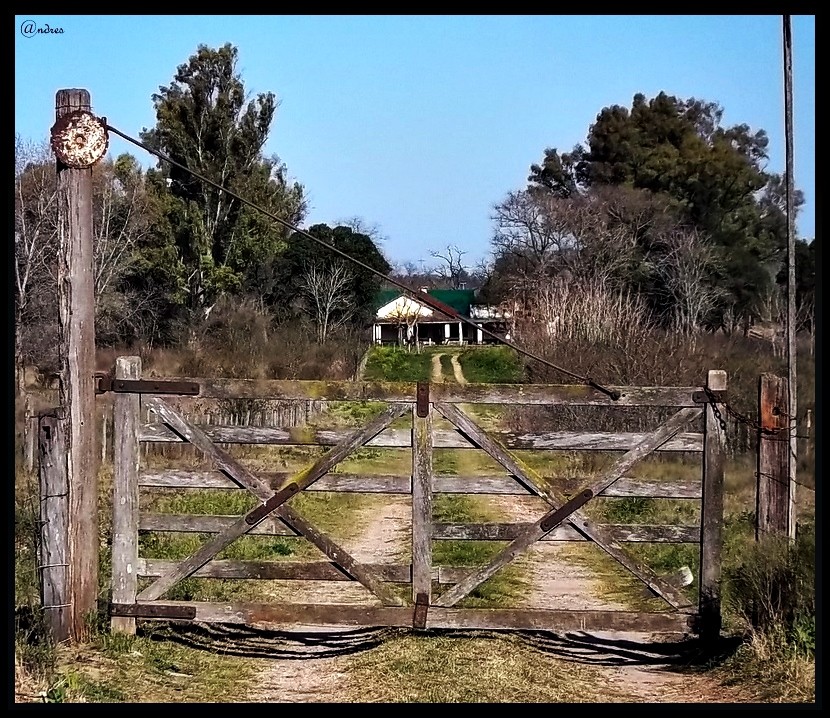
<point x="302" y="253"/>
<point x="326" y="288"/>
<point x="713" y="176"/>
<point x="203" y="122"/>
<point x="451" y="269"/>
<point x="35" y="245"/>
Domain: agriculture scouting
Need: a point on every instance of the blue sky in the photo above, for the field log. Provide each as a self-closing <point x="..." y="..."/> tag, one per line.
<point x="420" y="124"/>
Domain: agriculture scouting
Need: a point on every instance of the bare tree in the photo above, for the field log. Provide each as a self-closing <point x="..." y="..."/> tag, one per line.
<point x="120" y="219"/>
<point x="35" y="235"/>
<point x="328" y="295"/>
<point x="685" y="260"/>
<point x="406" y="315"/>
<point x="451" y="269"/>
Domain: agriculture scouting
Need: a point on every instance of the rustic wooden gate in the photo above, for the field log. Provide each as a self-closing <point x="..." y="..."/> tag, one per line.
<point x="565" y="521"/>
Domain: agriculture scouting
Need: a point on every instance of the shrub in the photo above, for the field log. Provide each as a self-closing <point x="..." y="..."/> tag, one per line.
<point x="773" y="588"/>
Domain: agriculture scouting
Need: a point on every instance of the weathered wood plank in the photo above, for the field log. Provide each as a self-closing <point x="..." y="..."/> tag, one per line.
<point x="297" y="616"/>
<point x="387" y="484"/>
<point x="711" y="518"/>
<point x="209" y="523"/>
<point x="53" y="558"/>
<point x="126" y="458"/>
<point x="442" y="439"/>
<point x="255" y="516"/>
<point x="281" y="570"/>
<point x="629" y="533"/>
<point x="572" y="394"/>
<point x="578" y="519"/>
<point x="422" y="504"/>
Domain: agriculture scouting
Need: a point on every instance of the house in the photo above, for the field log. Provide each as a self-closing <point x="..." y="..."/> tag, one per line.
<point x="401" y="319"/>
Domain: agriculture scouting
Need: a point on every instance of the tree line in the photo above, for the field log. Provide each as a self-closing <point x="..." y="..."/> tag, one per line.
<point x="663" y="216"/>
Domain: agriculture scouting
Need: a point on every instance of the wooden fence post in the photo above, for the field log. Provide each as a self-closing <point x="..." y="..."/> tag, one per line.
<point x="127" y="415"/>
<point x="53" y="557"/>
<point x="772" y="494"/>
<point x="422" y="501"/>
<point x="711" y="516"/>
<point x="76" y="344"/>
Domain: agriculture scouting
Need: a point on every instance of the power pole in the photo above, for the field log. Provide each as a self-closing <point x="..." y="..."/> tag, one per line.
<point x="791" y="329"/>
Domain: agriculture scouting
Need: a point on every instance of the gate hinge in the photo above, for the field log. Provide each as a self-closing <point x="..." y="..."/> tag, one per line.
<point x="419" y="618"/>
<point x="105" y="383"/>
<point x="705" y="397"/>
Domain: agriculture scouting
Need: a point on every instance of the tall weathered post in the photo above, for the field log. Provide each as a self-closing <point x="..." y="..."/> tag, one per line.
<point x="78" y="140"/>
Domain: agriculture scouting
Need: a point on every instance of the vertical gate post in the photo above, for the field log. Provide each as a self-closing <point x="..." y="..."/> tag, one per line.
<point x="772" y="496"/>
<point x="711" y="517"/>
<point x="53" y="556"/>
<point x="422" y="496"/>
<point x="126" y="420"/>
<point x="76" y="342"/>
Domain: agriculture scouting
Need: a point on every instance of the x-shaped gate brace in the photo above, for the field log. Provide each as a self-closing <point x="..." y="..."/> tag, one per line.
<point x="563" y="509"/>
<point x="272" y="503"/>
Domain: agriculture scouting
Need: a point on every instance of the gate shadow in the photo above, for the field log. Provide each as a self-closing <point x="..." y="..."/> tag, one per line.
<point x="580" y="647"/>
<point x="609" y="650"/>
<point x="250" y="642"/>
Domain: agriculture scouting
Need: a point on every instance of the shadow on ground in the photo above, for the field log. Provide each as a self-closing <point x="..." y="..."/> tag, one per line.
<point x="596" y="649"/>
<point x="608" y="650"/>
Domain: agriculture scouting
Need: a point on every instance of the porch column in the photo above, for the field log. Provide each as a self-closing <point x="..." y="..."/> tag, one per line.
<point x="479" y="335"/>
<point x="460" y="333"/>
<point x="376" y="333"/>
<point x="447" y="333"/>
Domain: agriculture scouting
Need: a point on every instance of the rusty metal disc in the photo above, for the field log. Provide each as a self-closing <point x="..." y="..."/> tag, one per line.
<point x="80" y="139"/>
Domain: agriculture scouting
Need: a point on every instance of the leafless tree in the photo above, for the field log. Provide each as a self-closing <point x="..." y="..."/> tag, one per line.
<point x="120" y="219"/>
<point x="406" y="316"/>
<point x="451" y="269"/>
<point x="326" y="290"/>
<point x="35" y="237"/>
<point x="684" y="260"/>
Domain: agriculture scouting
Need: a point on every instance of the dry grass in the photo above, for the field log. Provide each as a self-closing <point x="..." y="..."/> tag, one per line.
<point x="482" y="668"/>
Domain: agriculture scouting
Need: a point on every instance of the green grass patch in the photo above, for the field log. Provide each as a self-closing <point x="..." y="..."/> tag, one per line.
<point x="396" y="364"/>
<point x="491" y="365"/>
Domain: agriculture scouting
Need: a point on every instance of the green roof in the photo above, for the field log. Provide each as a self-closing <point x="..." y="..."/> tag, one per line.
<point x="458" y="299"/>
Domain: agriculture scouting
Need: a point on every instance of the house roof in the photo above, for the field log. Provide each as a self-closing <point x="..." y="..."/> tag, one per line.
<point x="458" y="299"/>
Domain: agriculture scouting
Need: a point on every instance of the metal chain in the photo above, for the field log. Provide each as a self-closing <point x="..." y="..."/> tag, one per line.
<point x="742" y="418"/>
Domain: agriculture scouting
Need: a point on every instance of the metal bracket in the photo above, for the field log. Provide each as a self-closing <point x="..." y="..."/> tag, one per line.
<point x="106" y="383"/>
<point x="703" y="397"/>
<point x="556" y="517"/>
<point x="149" y="610"/>
<point x="419" y="618"/>
<point x="279" y="498"/>
<point x="422" y="399"/>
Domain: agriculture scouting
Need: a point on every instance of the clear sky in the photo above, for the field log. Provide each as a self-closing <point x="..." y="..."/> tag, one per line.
<point x="420" y="124"/>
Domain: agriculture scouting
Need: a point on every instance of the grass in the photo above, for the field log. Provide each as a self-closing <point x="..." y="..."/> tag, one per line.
<point x="491" y="365"/>
<point x="446" y="368"/>
<point x="396" y="364"/>
<point x="115" y="668"/>
<point x="502" y="589"/>
<point x="477" y="668"/>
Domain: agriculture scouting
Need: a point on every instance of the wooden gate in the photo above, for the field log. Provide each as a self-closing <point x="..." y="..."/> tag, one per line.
<point x="695" y="426"/>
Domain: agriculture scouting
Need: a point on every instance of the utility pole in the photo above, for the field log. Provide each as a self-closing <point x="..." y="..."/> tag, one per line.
<point x="791" y="329"/>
